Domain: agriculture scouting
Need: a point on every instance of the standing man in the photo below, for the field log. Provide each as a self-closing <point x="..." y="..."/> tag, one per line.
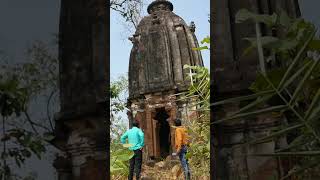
<point x="135" y="137"/>
<point x="181" y="142"/>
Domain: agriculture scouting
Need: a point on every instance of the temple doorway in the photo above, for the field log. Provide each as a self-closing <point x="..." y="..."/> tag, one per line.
<point x="163" y="132"/>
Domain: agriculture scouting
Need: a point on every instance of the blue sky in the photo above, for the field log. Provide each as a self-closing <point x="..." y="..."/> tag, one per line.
<point x="120" y="46"/>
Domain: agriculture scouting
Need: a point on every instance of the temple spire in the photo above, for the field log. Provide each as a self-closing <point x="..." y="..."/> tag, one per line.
<point x="160" y="5"/>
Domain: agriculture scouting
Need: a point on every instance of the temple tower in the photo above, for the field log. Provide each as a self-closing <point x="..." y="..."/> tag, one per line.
<point x="80" y="126"/>
<point x="232" y="76"/>
<point x="162" y="44"/>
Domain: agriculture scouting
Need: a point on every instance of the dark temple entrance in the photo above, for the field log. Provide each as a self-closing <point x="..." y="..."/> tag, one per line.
<point x="163" y="132"/>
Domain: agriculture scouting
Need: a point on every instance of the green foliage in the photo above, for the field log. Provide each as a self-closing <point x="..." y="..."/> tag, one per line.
<point x="199" y="148"/>
<point x="38" y="74"/>
<point x="244" y="15"/>
<point x="200" y="85"/>
<point x="21" y="84"/>
<point x="261" y="84"/>
<point x="28" y="144"/>
<point x="118" y="102"/>
<point x="12" y="97"/>
<point x="119" y="160"/>
<point x="288" y="91"/>
<point x="118" y="90"/>
<point x="119" y="155"/>
<point x="13" y="100"/>
<point x="293" y="33"/>
<point x="204" y="41"/>
<point x="199" y="129"/>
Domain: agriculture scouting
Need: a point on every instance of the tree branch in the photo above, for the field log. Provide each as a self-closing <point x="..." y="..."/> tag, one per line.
<point x="33" y="124"/>
<point x="48" y="113"/>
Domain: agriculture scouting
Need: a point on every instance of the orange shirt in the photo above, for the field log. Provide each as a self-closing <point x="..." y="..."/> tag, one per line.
<point x="181" y="137"/>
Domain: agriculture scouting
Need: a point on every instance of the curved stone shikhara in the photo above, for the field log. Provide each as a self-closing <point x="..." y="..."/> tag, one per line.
<point x="162" y="44"/>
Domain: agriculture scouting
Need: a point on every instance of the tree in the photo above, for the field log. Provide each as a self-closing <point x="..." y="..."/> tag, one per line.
<point x="119" y="155"/>
<point x="130" y="10"/>
<point x="20" y="85"/>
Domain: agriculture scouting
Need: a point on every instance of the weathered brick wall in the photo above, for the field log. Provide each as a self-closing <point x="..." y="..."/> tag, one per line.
<point x="146" y="116"/>
<point x="80" y="126"/>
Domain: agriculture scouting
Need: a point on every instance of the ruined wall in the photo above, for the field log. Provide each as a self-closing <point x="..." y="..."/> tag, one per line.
<point x="80" y="126"/>
<point x="144" y="112"/>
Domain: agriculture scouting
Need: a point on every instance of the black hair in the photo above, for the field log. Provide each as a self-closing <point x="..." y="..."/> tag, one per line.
<point x="135" y="124"/>
<point x="177" y="122"/>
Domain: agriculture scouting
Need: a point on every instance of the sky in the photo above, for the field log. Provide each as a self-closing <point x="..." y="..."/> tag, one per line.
<point x="23" y="22"/>
<point x="310" y="11"/>
<point x="120" y="46"/>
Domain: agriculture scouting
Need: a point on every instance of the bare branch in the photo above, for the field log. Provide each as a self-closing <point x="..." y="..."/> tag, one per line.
<point x="130" y="10"/>
<point x="48" y="110"/>
<point x="33" y="124"/>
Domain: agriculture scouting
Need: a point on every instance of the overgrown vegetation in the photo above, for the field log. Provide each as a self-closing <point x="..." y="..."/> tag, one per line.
<point x="119" y="156"/>
<point x="23" y="135"/>
<point x="288" y="86"/>
<point x="199" y="128"/>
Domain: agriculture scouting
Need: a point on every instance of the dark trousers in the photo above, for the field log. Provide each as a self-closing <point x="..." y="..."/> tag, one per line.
<point x="184" y="162"/>
<point x="135" y="164"/>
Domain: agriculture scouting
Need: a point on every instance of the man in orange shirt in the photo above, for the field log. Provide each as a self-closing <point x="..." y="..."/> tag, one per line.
<point x="181" y="142"/>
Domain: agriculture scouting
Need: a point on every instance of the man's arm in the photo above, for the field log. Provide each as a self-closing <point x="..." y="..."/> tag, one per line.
<point x="124" y="137"/>
<point x="141" y="136"/>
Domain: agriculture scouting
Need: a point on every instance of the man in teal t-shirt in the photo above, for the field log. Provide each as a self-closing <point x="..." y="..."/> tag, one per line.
<point x="135" y="137"/>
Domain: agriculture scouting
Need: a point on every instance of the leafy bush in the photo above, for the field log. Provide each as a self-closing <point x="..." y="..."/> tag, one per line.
<point x="119" y="156"/>
<point x="291" y="90"/>
<point x="199" y="129"/>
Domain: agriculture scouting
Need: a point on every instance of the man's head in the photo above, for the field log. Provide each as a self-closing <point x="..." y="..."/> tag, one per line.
<point x="177" y="122"/>
<point x="135" y="124"/>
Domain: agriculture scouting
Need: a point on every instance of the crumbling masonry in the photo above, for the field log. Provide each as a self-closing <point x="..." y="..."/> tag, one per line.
<point x="80" y="125"/>
<point x="162" y="45"/>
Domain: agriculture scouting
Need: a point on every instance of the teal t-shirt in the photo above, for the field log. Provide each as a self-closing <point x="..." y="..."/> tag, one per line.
<point x="135" y="137"/>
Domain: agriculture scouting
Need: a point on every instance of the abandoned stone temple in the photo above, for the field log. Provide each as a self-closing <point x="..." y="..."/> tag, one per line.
<point x="162" y="45"/>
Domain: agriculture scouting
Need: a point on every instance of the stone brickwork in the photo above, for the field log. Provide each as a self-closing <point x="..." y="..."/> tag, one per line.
<point x="162" y="44"/>
<point x="80" y="126"/>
